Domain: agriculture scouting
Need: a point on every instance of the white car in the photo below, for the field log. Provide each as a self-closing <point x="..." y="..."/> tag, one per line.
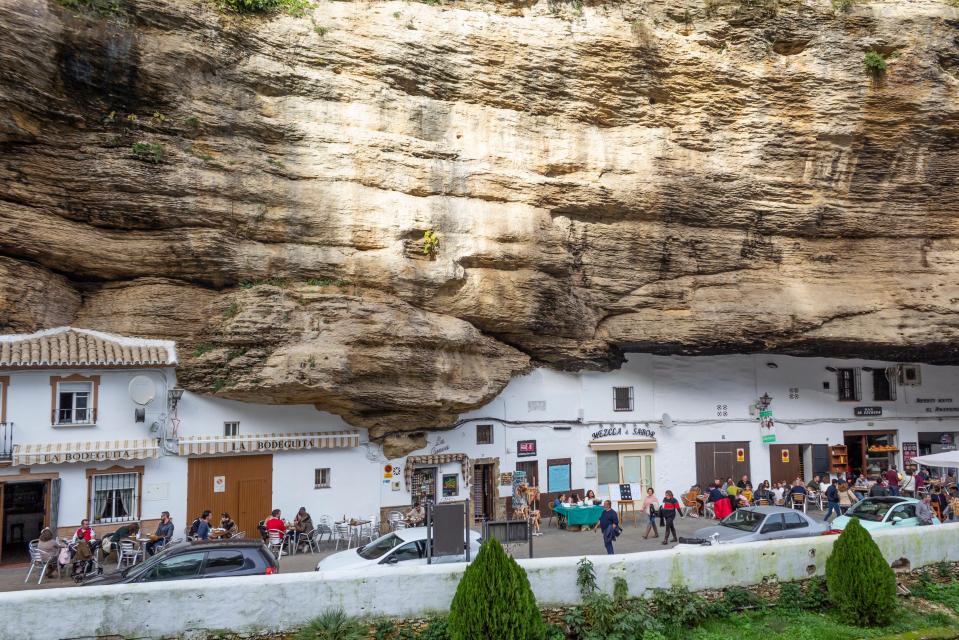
<point x="406" y="547"/>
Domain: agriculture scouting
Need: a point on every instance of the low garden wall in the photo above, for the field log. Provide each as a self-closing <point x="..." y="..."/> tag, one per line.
<point x="287" y="601"/>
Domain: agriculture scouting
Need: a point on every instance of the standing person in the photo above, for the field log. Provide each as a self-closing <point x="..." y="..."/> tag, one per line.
<point x="924" y="511"/>
<point x="908" y="487"/>
<point x="609" y="524"/>
<point x="879" y="490"/>
<point x="163" y="534"/>
<point x="203" y="528"/>
<point x="846" y="497"/>
<point x="669" y="510"/>
<point x="650" y="506"/>
<point x="832" y="500"/>
<point x="892" y="478"/>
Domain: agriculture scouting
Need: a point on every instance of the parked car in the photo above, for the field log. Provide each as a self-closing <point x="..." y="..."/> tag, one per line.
<point x="198" y="559"/>
<point x="749" y="524"/>
<point x="881" y="513"/>
<point x="406" y="546"/>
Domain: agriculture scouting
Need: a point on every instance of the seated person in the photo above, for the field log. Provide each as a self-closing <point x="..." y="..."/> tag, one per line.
<point x="591" y="498"/>
<point x="226" y="523"/>
<point x="163" y="534"/>
<point x="574" y="499"/>
<point x="275" y="523"/>
<point x="126" y="531"/>
<point x="779" y="493"/>
<point x="559" y="500"/>
<point x="415" y="516"/>
<point x="746" y="495"/>
<point x="798" y="492"/>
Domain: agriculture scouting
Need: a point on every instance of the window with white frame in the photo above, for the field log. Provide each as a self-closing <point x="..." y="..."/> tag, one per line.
<point x="114" y="497"/>
<point x="231" y="428"/>
<point x="75" y="403"/>
<point x="622" y="398"/>
<point x="321" y="478"/>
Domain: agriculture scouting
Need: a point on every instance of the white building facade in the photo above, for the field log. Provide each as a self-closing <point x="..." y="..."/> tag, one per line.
<point x="93" y="426"/>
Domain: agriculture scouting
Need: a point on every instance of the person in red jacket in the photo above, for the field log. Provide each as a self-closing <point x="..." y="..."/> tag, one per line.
<point x="275" y="523"/>
<point x="892" y="477"/>
<point x="84" y="532"/>
<point x="669" y="510"/>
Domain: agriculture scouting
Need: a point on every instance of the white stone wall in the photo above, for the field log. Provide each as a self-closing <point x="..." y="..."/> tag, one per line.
<point x="286" y="601"/>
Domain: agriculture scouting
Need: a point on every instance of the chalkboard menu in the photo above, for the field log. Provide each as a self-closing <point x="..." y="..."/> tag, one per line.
<point x="625" y="492"/>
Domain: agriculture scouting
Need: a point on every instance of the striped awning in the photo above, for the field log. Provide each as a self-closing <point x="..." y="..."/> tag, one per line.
<point x="437" y="459"/>
<point x="261" y="442"/>
<point x="93" y="451"/>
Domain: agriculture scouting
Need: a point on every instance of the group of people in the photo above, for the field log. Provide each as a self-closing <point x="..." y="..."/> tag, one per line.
<point x="297" y="531"/>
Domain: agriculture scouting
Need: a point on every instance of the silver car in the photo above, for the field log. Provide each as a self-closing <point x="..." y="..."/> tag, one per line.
<point x="748" y="524"/>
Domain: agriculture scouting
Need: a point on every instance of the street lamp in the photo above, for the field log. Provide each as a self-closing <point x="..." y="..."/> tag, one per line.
<point x="764" y="402"/>
<point x="174" y="396"/>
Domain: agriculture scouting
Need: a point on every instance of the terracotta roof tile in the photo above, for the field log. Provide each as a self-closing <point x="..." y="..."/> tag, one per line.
<point x="68" y="347"/>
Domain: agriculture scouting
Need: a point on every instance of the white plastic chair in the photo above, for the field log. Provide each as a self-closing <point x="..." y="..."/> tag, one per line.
<point x="396" y="518"/>
<point x="275" y="543"/>
<point x="128" y="552"/>
<point x="343" y="532"/>
<point x="38" y="560"/>
<point x="323" y="528"/>
<point x="372" y="531"/>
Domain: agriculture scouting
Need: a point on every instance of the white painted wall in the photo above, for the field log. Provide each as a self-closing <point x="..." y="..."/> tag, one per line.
<point x="286" y="601"/>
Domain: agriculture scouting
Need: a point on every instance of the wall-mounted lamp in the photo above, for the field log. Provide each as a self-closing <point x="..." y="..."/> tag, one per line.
<point x="831" y="369"/>
<point x="174" y="396"/>
<point x="772" y="365"/>
<point x="867" y="368"/>
<point x="764" y="401"/>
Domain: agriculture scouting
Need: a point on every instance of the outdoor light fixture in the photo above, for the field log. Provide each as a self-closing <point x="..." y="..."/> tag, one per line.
<point x="174" y="396"/>
<point x="831" y="369"/>
<point x="772" y="365"/>
<point x="764" y="401"/>
<point x="867" y="368"/>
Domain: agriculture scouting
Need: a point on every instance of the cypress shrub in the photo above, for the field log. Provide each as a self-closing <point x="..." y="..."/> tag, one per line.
<point x="860" y="583"/>
<point x="494" y="600"/>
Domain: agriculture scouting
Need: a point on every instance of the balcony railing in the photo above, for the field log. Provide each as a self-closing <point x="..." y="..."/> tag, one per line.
<point x="74" y="416"/>
<point x="6" y="441"/>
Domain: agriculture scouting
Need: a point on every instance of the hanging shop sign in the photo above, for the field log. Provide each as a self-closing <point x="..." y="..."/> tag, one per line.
<point x="867" y="411"/>
<point x="526" y="449"/>
<point x="767" y="427"/>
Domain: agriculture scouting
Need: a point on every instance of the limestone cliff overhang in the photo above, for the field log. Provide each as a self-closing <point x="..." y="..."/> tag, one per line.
<point x="69" y="347"/>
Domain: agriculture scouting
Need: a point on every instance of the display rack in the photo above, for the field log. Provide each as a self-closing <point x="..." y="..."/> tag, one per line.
<point x="839" y="458"/>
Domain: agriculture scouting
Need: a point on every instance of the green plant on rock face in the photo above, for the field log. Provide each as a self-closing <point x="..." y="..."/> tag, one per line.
<point x="860" y="582"/>
<point x="875" y="63"/>
<point x="149" y="151"/>
<point x="431" y="243"/>
<point x="293" y="7"/>
<point x="332" y="624"/>
<point x="494" y="600"/>
<point x="842" y="6"/>
<point x="202" y="348"/>
<point x="677" y="607"/>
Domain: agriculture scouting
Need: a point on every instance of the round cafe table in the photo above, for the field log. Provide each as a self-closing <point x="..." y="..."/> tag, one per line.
<point x="583" y="516"/>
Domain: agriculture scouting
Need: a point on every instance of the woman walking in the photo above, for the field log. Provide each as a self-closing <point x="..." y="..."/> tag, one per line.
<point x="669" y="510"/>
<point x="650" y="506"/>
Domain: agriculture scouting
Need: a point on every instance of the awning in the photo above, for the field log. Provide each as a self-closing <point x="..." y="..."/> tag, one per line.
<point x="437" y="458"/>
<point x="260" y="442"/>
<point x="622" y="445"/>
<point x="93" y="451"/>
<point x="945" y="460"/>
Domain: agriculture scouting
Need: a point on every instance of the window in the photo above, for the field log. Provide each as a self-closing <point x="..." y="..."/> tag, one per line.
<point x="882" y="387"/>
<point x="115" y="497"/>
<point x="607" y="467"/>
<point x="902" y="512"/>
<point x="178" y="567"/>
<point x="622" y="398"/>
<point x="409" y="551"/>
<point x="848" y="383"/>
<point x="795" y="521"/>
<point x="231" y="428"/>
<point x="4" y="383"/>
<point x="75" y="403"/>
<point x="484" y="434"/>
<point x="773" y="523"/>
<point x="226" y="561"/>
<point x="321" y="478"/>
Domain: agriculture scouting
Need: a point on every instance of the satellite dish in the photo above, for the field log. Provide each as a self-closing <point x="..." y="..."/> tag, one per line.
<point x="142" y="390"/>
<point x="667" y="421"/>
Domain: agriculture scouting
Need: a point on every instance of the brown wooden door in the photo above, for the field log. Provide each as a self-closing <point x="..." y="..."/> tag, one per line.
<point x="721" y="460"/>
<point x="531" y="467"/>
<point x="247" y="489"/>
<point x="784" y="463"/>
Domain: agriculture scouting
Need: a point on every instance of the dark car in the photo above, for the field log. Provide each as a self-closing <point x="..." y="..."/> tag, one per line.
<point x="198" y="559"/>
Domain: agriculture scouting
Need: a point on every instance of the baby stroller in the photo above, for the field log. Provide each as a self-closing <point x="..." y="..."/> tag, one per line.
<point x="85" y="564"/>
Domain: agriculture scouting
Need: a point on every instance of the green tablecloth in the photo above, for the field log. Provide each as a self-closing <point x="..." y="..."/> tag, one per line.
<point x="583" y="516"/>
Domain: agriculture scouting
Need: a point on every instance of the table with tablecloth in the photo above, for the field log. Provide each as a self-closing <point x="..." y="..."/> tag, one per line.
<point x="580" y="516"/>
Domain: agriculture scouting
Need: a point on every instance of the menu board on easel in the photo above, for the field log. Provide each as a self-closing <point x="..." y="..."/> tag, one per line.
<point x="625" y="492"/>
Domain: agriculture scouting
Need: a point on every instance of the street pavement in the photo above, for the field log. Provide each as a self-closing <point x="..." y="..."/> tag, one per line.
<point x="553" y="543"/>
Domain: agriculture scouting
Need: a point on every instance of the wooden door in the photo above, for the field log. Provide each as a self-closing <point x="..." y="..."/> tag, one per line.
<point x="784" y="464"/>
<point x="247" y="489"/>
<point x="531" y="467"/>
<point x="721" y="460"/>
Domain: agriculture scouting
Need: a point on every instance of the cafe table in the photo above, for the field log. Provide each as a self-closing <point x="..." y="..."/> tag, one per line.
<point x="582" y="516"/>
<point x="356" y="528"/>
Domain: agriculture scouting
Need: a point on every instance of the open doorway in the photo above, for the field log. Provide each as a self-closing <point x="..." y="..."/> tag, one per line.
<point x="24" y="516"/>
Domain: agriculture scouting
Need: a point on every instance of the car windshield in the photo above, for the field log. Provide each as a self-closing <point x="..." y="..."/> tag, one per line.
<point x="872" y="510"/>
<point x="380" y="546"/>
<point x="744" y="520"/>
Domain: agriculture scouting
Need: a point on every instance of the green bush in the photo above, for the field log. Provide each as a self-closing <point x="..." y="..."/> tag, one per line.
<point x="875" y="63"/>
<point x="601" y="617"/>
<point x="149" y="151"/>
<point x="494" y="600"/>
<point x="293" y="7"/>
<point x="860" y="583"/>
<point x="585" y="578"/>
<point x="677" y="607"/>
<point x="333" y="624"/>
<point x="816" y="597"/>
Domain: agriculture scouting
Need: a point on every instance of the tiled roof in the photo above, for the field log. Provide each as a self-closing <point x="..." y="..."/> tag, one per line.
<point x="69" y="347"/>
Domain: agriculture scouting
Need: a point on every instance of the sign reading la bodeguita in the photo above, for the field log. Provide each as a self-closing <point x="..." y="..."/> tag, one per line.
<point x="610" y="432"/>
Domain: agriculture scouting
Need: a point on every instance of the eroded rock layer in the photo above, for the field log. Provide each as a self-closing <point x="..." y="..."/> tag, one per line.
<point x="676" y="178"/>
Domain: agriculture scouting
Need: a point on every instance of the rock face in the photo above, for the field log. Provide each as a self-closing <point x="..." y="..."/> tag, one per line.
<point x="675" y="178"/>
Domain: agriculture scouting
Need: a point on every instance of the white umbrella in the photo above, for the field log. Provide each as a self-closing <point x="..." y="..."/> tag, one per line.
<point x="945" y="459"/>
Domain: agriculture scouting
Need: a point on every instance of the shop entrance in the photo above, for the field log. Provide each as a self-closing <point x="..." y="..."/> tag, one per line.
<point x="483" y="492"/>
<point x="871" y="452"/>
<point x="25" y="507"/>
<point x="721" y="460"/>
<point x="424" y="485"/>
<point x="785" y="463"/>
<point x="239" y="485"/>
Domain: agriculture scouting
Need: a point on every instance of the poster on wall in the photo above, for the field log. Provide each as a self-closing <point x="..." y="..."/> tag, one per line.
<point x="559" y="478"/>
<point x="506" y="479"/>
<point x="219" y="484"/>
<point x="767" y="427"/>
<point x="450" y="485"/>
<point x="909" y="451"/>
